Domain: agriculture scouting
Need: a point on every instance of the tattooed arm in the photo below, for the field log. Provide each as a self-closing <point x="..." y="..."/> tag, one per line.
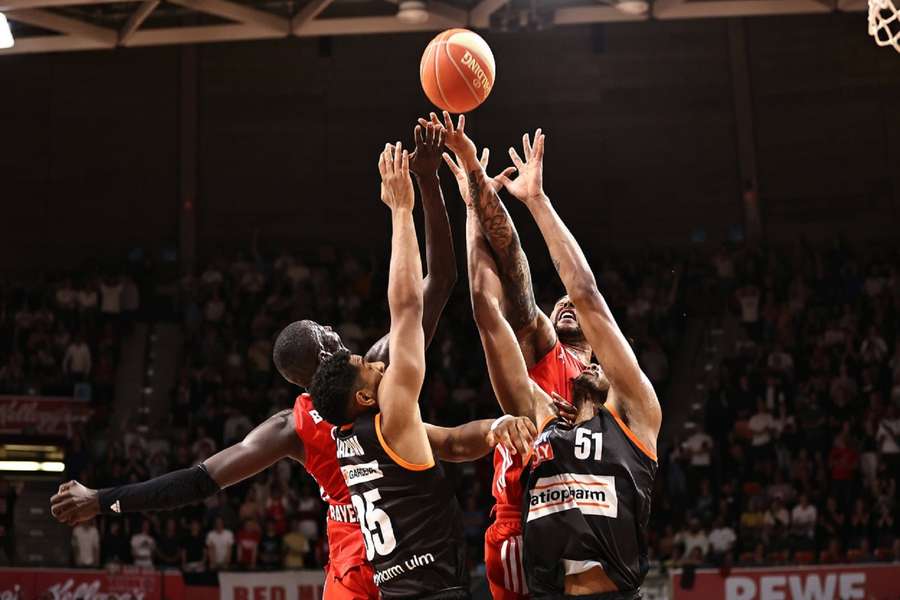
<point x="533" y="329"/>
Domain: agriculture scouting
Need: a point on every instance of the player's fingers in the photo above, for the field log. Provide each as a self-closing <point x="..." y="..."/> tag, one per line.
<point x="504" y="176"/>
<point x="439" y="137"/>
<point x="526" y="146"/>
<point x="450" y="163"/>
<point x="404" y="164"/>
<point x="398" y="156"/>
<point x="539" y="147"/>
<point x="448" y="122"/>
<point x="61" y="510"/>
<point x="417" y="135"/>
<point x="461" y="123"/>
<point x="485" y="156"/>
<point x="435" y="119"/>
<point x="525" y="439"/>
<point x="423" y="122"/>
<point x="516" y="160"/>
<point x="507" y="442"/>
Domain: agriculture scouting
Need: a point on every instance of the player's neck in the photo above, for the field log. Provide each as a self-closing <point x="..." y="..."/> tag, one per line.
<point x="580" y="348"/>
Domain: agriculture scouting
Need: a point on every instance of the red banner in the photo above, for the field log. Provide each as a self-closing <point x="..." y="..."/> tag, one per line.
<point x="833" y="582"/>
<point x="41" y="415"/>
<point x="128" y="583"/>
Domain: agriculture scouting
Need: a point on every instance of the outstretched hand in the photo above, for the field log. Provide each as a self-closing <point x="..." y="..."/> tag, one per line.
<point x="426" y="158"/>
<point x="396" y="184"/>
<point x="565" y="409"/>
<point x="529" y="185"/>
<point x="516" y="434"/>
<point x="74" y="503"/>
<point x="462" y="178"/>
<point x="454" y="135"/>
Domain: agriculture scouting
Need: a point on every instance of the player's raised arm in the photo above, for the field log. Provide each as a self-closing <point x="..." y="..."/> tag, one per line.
<point x="439" y="254"/>
<point x="515" y="391"/>
<point x="274" y="439"/>
<point x="634" y="392"/>
<point x="398" y="393"/>
<point x="533" y="328"/>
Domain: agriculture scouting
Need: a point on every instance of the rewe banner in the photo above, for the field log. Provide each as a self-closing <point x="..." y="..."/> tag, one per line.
<point x="831" y="582"/>
<point x="279" y="585"/>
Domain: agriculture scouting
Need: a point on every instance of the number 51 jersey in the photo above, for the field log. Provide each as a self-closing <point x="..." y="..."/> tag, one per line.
<point x="587" y="504"/>
<point x="408" y="513"/>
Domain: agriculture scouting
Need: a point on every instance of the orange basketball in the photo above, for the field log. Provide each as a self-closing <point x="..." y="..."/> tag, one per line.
<point x="457" y="70"/>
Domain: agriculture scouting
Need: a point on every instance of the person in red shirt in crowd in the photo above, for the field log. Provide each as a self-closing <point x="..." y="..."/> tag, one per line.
<point x="301" y="434"/>
<point x="248" y="544"/>
<point x="843" y="460"/>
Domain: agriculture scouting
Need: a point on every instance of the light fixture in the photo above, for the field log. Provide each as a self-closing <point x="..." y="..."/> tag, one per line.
<point x="412" y="11"/>
<point x="32" y="466"/>
<point x="633" y="7"/>
<point x="6" y="38"/>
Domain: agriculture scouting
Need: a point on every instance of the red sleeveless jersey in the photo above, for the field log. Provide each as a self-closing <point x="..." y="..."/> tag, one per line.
<point x="345" y="541"/>
<point x="553" y="373"/>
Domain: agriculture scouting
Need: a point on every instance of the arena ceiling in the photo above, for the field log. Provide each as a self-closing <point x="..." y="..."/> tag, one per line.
<point x="69" y="25"/>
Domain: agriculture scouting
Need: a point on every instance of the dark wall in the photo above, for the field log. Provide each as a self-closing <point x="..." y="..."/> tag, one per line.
<point x="88" y="159"/>
<point x="642" y="143"/>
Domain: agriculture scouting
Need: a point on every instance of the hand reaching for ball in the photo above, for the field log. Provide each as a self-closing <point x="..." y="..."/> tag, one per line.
<point x="462" y="179"/>
<point x="396" y="184"/>
<point x="455" y="137"/>
<point x="529" y="185"/>
<point x="426" y="158"/>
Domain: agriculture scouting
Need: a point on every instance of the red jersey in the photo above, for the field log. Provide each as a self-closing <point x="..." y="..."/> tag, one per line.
<point x="345" y="541"/>
<point x="553" y="373"/>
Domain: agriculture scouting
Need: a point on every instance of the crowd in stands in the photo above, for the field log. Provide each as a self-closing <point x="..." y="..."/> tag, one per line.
<point x="798" y="456"/>
<point x="796" y="459"/>
<point x="60" y="336"/>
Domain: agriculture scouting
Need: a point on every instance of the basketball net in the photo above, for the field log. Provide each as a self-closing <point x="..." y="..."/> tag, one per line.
<point x="884" y="23"/>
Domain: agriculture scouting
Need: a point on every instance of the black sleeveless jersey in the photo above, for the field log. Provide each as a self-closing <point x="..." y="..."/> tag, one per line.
<point x="409" y="516"/>
<point x="586" y="504"/>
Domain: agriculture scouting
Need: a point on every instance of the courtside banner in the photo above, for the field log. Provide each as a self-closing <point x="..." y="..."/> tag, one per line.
<point x="279" y="585"/>
<point x="831" y="582"/>
<point x="42" y="415"/>
<point x="80" y="584"/>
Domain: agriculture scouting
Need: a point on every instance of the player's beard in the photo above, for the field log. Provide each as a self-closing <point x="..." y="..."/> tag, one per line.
<point x="587" y="387"/>
<point x="570" y="334"/>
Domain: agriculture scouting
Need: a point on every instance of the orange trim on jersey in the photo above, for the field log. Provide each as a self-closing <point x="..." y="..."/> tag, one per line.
<point x="394" y="456"/>
<point x="634" y="439"/>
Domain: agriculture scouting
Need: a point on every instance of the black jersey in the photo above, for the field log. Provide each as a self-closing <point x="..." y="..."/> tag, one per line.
<point x="587" y="503"/>
<point x="409" y="516"/>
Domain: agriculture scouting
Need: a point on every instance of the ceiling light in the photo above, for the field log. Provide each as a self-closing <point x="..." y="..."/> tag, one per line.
<point x="6" y="38"/>
<point x="633" y="7"/>
<point x="412" y="11"/>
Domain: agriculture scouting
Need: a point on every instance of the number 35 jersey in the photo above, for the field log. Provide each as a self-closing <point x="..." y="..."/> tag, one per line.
<point x="587" y="504"/>
<point x="409" y="516"/>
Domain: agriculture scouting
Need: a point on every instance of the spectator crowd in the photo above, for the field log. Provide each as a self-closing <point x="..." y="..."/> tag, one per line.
<point x="794" y="460"/>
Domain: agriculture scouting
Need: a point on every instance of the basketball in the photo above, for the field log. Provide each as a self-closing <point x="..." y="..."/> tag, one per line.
<point x="457" y="70"/>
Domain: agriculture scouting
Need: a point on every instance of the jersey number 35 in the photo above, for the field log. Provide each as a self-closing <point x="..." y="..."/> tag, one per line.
<point x="378" y="534"/>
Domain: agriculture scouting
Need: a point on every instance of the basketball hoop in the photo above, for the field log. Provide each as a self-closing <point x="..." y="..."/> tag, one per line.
<point x="884" y="23"/>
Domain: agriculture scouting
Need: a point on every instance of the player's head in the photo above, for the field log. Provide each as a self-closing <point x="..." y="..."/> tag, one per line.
<point x="591" y="386"/>
<point x="565" y="320"/>
<point x="300" y="347"/>
<point x="345" y="386"/>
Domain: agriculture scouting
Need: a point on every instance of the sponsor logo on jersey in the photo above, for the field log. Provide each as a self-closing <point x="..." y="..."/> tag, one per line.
<point x="343" y="513"/>
<point x="116" y="507"/>
<point x="542" y="453"/>
<point x="356" y="474"/>
<point x="349" y="447"/>
<point x="591" y="494"/>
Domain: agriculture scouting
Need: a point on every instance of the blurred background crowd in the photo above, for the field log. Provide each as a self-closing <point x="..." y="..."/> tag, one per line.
<point x="789" y="448"/>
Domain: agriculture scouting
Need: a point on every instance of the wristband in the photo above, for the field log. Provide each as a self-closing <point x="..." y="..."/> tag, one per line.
<point x="497" y="422"/>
